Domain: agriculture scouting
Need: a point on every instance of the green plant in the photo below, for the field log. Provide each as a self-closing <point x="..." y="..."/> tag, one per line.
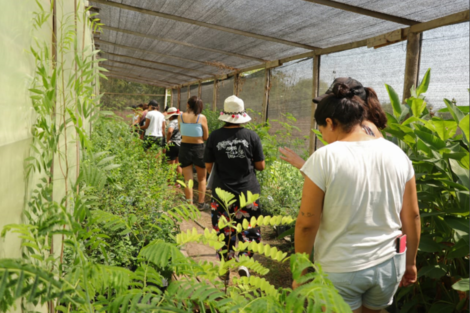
<point x="439" y="150"/>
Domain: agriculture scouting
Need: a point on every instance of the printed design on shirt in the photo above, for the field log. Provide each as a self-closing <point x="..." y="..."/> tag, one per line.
<point x="232" y="148"/>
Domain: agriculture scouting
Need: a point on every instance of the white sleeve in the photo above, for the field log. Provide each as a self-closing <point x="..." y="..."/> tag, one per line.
<point x="315" y="169"/>
<point x="411" y="171"/>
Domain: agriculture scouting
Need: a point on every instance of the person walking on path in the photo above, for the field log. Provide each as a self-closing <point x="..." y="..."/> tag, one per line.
<point x="234" y="153"/>
<point x="359" y="199"/>
<point x="173" y="138"/>
<point x="154" y="127"/>
<point x="194" y="131"/>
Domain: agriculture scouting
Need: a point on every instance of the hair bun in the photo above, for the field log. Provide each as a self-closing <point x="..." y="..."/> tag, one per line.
<point x="343" y="91"/>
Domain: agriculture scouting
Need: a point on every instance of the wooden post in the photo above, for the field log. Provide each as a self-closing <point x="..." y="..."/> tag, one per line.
<point x="179" y="98"/>
<point x="165" y="102"/>
<point x="199" y="90"/>
<point x="235" y="84"/>
<point x="172" y="98"/>
<point x="315" y="86"/>
<point x="214" y="96"/>
<point x="189" y="91"/>
<point x="267" y="87"/>
<point x="413" y="52"/>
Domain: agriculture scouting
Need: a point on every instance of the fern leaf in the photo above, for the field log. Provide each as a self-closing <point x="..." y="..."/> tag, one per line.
<point x="260" y="283"/>
<point x="163" y="254"/>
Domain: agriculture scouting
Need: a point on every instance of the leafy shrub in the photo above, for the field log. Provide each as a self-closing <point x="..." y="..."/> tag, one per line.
<point x="439" y="150"/>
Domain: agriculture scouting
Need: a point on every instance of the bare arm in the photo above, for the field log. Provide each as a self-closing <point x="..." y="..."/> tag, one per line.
<point x="411" y="227"/>
<point x="163" y="128"/>
<point x="260" y="165"/>
<point x="209" y="167"/>
<point x="205" y="128"/>
<point x="169" y="133"/>
<point x="308" y="220"/>
<point x="147" y="123"/>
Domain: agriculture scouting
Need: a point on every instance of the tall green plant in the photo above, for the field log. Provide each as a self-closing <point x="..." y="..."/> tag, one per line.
<point x="439" y="150"/>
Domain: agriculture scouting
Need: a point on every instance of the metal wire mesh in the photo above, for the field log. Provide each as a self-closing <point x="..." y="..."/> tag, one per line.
<point x="251" y="91"/>
<point x="224" y="90"/>
<point x="446" y="51"/>
<point x="207" y="95"/>
<point x="183" y="98"/>
<point x="372" y="67"/>
<point x="290" y="99"/>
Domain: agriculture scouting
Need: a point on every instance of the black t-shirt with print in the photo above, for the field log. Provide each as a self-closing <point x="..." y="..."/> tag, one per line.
<point x="234" y="151"/>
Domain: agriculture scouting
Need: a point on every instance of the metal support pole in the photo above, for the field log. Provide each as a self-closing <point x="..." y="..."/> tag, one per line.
<point x="189" y="91"/>
<point x="413" y="52"/>
<point x="315" y="86"/>
<point x="214" y="96"/>
<point x="199" y="90"/>
<point x="267" y="87"/>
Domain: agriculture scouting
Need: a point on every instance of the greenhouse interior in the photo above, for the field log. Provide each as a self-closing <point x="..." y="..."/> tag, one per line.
<point x="235" y="156"/>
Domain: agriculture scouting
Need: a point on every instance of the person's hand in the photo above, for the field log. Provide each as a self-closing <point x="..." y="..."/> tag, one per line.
<point x="410" y="276"/>
<point x="291" y="157"/>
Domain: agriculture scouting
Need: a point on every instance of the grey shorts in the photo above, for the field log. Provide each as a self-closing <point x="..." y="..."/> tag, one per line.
<point x="373" y="287"/>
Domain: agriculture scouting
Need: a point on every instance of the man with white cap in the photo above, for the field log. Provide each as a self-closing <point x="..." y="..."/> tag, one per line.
<point x="234" y="153"/>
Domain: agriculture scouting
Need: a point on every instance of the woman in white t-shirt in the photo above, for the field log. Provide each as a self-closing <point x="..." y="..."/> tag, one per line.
<point x="359" y="195"/>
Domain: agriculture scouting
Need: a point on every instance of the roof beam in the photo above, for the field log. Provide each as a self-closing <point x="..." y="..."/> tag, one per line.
<point x="120" y="76"/>
<point x="358" y="10"/>
<point x="455" y="18"/>
<point x="143" y="79"/>
<point x="204" y="24"/>
<point x="154" y="53"/>
<point x="126" y="71"/>
<point x="155" y="62"/>
<point x="155" y="69"/>
<point x="238" y="55"/>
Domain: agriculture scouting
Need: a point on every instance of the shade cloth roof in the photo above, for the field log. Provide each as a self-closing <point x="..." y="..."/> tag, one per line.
<point x="175" y="42"/>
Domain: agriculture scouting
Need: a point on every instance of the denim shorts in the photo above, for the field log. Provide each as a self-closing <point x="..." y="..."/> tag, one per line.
<point x="373" y="287"/>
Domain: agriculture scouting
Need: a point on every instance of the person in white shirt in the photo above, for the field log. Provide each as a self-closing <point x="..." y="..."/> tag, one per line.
<point x="154" y="127"/>
<point x="359" y="195"/>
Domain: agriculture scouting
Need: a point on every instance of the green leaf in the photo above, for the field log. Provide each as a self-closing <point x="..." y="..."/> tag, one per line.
<point x="423" y="86"/>
<point x="441" y="307"/>
<point x="459" y="250"/>
<point x="435" y="142"/>
<point x="458" y="223"/>
<point x="454" y="111"/>
<point x="427" y="244"/>
<point x="394" y="100"/>
<point x="432" y="271"/>
<point x="391" y="118"/>
<point x="462" y="285"/>
<point x="320" y="136"/>
<point x="461" y="172"/>
<point x="417" y="106"/>
<point x="444" y="129"/>
<point x="464" y="126"/>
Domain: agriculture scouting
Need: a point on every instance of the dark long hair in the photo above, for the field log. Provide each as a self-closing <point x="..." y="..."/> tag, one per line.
<point x="342" y="106"/>
<point x="195" y="105"/>
<point x="375" y="113"/>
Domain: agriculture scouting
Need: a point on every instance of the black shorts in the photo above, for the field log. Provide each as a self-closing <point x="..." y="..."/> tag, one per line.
<point x="191" y="153"/>
<point x="172" y="151"/>
<point x="153" y="142"/>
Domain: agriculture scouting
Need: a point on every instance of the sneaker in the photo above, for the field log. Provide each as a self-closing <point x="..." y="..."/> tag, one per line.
<point x="243" y="271"/>
<point x="202" y="206"/>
